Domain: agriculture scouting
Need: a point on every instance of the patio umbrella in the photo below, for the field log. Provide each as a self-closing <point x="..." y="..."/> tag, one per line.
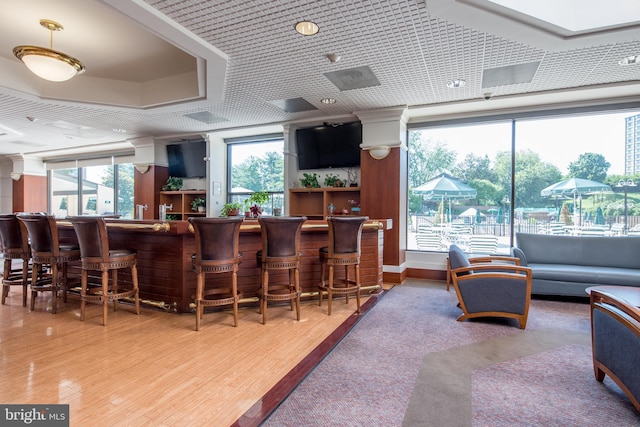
<point x="574" y="187"/>
<point x="445" y="187"/>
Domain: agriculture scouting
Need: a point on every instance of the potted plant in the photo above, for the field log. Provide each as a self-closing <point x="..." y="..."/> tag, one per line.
<point x="173" y="184"/>
<point x="231" y="209"/>
<point x="255" y="202"/>
<point x="198" y="204"/>
<point x="309" y="180"/>
<point x="331" y="180"/>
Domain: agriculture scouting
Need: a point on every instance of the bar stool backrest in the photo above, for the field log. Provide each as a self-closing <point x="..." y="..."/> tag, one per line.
<point x="92" y="236"/>
<point x="13" y="237"/>
<point x="281" y="236"/>
<point x="345" y="234"/>
<point x="216" y="238"/>
<point x="43" y="234"/>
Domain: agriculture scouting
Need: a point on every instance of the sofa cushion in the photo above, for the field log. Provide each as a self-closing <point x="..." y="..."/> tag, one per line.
<point x="586" y="274"/>
<point x="621" y="252"/>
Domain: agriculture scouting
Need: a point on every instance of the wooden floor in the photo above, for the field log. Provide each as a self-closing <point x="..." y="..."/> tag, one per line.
<point x="153" y="369"/>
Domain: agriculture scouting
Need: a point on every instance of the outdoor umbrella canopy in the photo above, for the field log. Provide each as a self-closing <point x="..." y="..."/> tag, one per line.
<point x="445" y="186"/>
<point x="574" y="186"/>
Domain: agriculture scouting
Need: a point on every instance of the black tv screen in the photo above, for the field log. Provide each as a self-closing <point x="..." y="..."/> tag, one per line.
<point x="329" y="146"/>
<point x="186" y="159"/>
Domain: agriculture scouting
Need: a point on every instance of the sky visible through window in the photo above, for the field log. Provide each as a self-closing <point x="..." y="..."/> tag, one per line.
<point x="558" y="141"/>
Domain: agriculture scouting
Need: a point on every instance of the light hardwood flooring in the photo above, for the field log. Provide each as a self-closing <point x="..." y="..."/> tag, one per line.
<point x="153" y="369"/>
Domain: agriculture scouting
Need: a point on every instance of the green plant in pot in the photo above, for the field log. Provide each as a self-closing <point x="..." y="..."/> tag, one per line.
<point x="309" y="180"/>
<point x="173" y="184"/>
<point x="255" y="202"/>
<point x="231" y="209"/>
<point x="198" y="204"/>
<point x="332" y="180"/>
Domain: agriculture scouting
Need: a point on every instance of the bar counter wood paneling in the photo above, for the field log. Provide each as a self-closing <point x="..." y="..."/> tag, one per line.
<point x="165" y="273"/>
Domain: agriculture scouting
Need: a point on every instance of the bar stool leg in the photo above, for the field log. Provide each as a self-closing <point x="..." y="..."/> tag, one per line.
<point x="83" y="293"/>
<point x="346" y="283"/>
<point x="297" y="290"/>
<point x="54" y="287"/>
<point x="134" y="278"/>
<point x="330" y="289"/>
<point x="265" y="291"/>
<point x="357" y="267"/>
<point x="114" y="277"/>
<point x="104" y="298"/>
<point x="199" y="296"/>
<point x="234" y="290"/>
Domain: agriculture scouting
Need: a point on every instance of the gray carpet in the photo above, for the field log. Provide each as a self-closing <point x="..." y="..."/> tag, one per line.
<point x="408" y="362"/>
<point x="442" y="395"/>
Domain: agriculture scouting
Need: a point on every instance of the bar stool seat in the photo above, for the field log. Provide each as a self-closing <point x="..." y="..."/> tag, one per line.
<point x="48" y="253"/>
<point x="217" y="242"/>
<point x="97" y="256"/>
<point x="15" y="245"/>
<point x="280" y="251"/>
<point x="345" y="235"/>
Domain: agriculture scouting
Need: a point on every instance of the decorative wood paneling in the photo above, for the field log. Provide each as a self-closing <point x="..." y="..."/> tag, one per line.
<point x="165" y="270"/>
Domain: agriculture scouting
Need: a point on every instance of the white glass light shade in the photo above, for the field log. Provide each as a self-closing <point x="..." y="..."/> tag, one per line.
<point x="380" y="152"/>
<point x="48" y="64"/>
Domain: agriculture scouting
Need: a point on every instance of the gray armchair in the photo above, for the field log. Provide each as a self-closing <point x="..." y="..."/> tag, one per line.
<point x="615" y="337"/>
<point x="490" y="286"/>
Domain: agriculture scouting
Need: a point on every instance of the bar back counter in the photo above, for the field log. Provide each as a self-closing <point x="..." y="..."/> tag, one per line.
<point x="164" y="251"/>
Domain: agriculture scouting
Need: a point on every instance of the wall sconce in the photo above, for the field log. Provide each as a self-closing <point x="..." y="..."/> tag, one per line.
<point x="380" y="152"/>
<point x="15" y="176"/>
<point x="142" y="167"/>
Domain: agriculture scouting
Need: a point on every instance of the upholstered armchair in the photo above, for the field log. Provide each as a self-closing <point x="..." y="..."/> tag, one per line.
<point x="615" y="337"/>
<point x="490" y="286"/>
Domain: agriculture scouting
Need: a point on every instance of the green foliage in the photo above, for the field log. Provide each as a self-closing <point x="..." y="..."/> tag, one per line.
<point x="428" y="159"/>
<point x="198" y="201"/>
<point x="332" y="180"/>
<point x="260" y="173"/>
<point x="125" y="187"/>
<point x="309" y="180"/>
<point x="565" y="215"/>
<point x="228" y="207"/>
<point x="591" y="166"/>
<point x="173" y="184"/>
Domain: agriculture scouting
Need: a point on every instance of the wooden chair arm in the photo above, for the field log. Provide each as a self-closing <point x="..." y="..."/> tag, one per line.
<point x="491" y="258"/>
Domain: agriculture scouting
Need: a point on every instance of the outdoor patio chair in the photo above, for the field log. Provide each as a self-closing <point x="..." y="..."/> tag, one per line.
<point x="491" y="286"/>
<point x="483" y="244"/>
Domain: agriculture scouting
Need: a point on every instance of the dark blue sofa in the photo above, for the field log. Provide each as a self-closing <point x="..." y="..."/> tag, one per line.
<point x="567" y="265"/>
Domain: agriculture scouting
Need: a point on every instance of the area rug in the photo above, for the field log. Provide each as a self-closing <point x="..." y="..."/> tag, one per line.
<point x="408" y="362"/>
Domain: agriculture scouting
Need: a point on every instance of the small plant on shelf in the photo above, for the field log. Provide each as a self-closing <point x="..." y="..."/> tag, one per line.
<point x="173" y="184"/>
<point x="198" y="204"/>
<point x="309" y="180"/>
<point x="332" y="180"/>
<point x="255" y="202"/>
<point x="231" y="209"/>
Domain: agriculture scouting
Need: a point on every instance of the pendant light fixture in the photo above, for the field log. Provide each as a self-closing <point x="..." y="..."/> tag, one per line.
<point x="46" y="63"/>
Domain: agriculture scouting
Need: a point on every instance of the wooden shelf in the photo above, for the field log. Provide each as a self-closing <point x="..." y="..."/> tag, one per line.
<point x="313" y="202"/>
<point x="181" y="202"/>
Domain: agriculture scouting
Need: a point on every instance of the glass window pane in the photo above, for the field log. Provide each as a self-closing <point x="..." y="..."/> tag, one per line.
<point x="64" y="192"/>
<point x="125" y="190"/>
<point x="98" y="190"/>
<point x="554" y="150"/>
<point x="459" y="187"/>
<point x="257" y="166"/>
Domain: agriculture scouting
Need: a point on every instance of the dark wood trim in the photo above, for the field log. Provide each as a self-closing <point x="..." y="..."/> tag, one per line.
<point x="279" y="392"/>
<point x="419" y="273"/>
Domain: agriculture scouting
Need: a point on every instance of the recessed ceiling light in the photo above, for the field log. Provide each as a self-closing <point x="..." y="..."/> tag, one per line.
<point x="307" y="28"/>
<point x="328" y="101"/>
<point x="118" y="130"/>
<point x="630" y="60"/>
<point x="456" y="83"/>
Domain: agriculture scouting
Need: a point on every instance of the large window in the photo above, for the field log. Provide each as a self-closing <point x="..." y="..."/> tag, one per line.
<point x="92" y="190"/>
<point x="475" y="184"/>
<point x="257" y="164"/>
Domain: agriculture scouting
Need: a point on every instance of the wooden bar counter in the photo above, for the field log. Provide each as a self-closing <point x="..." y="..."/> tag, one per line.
<point x="165" y="273"/>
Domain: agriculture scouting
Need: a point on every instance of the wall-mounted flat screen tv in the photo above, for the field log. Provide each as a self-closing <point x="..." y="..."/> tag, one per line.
<point x="329" y="146"/>
<point x="186" y="159"/>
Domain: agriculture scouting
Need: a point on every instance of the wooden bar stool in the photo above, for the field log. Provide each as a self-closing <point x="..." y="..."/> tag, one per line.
<point x="345" y="234"/>
<point x="48" y="253"/>
<point x="280" y="251"/>
<point x="96" y="256"/>
<point x="217" y="242"/>
<point x="15" y="245"/>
